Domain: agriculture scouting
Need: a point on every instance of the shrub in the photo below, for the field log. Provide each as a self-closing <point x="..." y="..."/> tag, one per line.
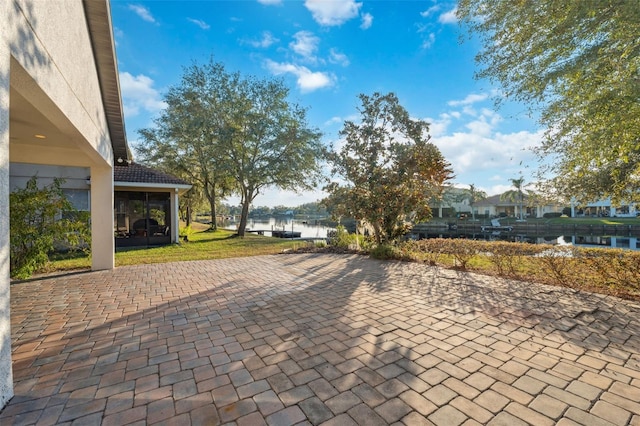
<point x="550" y="215"/>
<point x="611" y="271"/>
<point x="342" y="239"/>
<point x="386" y="251"/>
<point x="558" y="264"/>
<point x="320" y="243"/>
<point x="508" y="258"/>
<point x="423" y="251"/>
<point x="40" y="219"/>
<point x="613" y="268"/>
<point x="185" y="232"/>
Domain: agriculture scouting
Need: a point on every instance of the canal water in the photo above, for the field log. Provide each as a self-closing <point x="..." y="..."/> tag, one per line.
<point x="308" y="228"/>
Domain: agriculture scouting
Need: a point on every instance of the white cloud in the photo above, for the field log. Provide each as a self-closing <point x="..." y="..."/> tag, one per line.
<point x="199" y="23"/>
<point x="479" y="152"/>
<point x="118" y="33"/>
<point x="307" y="80"/>
<point x="138" y="93"/>
<point x="449" y="17"/>
<point x="367" y="21"/>
<point x="469" y="100"/>
<point x="438" y="127"/>
<point x="142" y="12"/>
<point x="332" y="121"/>
<point x="332" y="13"/>
<point x="270" y="2"/>
<point x="478" y="148"/>
<point x="305" y="45"/>
<point x="428" y="41"/>
<point x="430" y="11"/>
<point x="267" y="40"/>
<point x="336" y="57"/>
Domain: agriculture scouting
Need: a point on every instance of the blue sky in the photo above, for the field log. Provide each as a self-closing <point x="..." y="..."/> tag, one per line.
<point x="327" y="52"/>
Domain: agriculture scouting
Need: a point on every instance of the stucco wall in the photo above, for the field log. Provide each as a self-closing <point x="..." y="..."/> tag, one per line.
<point x="50" y="41"/>
<point x="6" y="377"/>
<point x="46" y="56"/>
<point x="74" y="177"/>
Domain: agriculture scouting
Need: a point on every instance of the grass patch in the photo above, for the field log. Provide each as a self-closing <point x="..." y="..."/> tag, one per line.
<point x="221" y="244"/>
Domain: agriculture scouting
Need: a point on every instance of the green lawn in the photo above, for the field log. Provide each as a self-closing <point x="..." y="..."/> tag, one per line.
<point x="221" y="244"/>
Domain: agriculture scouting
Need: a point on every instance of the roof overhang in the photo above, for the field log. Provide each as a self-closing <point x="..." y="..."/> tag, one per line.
<point x="133" y="186"/>
<point x="98" y="15"/>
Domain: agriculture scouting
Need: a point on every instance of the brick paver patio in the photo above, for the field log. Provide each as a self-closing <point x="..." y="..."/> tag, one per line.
<point x="318" y="339"/>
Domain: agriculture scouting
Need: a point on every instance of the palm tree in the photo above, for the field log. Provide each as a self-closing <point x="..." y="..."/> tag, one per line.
<point x="474" y="194"/>
<point x="516" y="194"/>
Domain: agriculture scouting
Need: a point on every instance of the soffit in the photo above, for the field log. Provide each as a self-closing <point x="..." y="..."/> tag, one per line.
<point x="98" y="15"/>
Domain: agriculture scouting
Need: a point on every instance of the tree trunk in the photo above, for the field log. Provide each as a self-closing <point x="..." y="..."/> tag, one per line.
<point x="188" y="218"/>
<point x="244" y="216"/>
<point x="214" y="213"/>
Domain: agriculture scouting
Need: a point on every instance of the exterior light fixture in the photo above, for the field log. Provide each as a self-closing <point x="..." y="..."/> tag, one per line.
<point x="39" y="136"/>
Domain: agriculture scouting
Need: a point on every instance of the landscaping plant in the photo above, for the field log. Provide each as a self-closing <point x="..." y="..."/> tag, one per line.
<point x="42" y="219"/>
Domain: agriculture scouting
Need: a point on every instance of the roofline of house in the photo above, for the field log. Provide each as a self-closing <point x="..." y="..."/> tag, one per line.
<point x="98" y="15"/>
<point x="117" y="184"/>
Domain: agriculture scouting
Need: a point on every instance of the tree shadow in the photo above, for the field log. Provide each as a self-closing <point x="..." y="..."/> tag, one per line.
<point x="354" y="321"/>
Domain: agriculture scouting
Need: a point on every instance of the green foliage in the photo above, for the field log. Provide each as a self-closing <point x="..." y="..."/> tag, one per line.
<point x="387" y="251"/>
<point x="389" y="168"/>
<point x="516" y="194"/>
<point x="320" y="244"/>
<point x="462" y="251"/>
<point x="41" y="220"/>
<point x="186" y="232"/>
<point x="343" y="239"/>
<point x="576" y="63"/>
<point x="474" y="195"/>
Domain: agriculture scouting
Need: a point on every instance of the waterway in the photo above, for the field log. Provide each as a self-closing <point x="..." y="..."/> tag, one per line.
<point x="308" y="228"/>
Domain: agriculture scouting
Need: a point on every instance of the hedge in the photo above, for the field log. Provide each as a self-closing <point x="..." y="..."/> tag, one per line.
<point x="609" y="271"/>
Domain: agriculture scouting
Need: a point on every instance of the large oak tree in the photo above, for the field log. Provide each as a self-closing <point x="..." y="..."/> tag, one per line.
<point x="576" y="64"/>
<point x="234" y="135"/>
<point x="387" y="169"/>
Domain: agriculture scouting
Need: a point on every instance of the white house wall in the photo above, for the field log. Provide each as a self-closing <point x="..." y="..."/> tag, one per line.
<point x="6" y="377"/>
<point x="51" y="42"/>
<point x="47" y="63"/>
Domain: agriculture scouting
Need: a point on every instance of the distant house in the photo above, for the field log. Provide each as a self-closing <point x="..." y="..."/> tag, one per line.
<point x="494" y="206"/>
<point x="604" y="208"/>
<point x="454" y="201"/>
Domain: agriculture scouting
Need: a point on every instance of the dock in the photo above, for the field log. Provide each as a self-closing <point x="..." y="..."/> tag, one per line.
<point x="276" y="233"/>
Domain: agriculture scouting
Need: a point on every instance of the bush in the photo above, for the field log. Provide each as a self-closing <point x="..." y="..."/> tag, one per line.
<point x="609" y="271"/>
<point x="507" y="257"/>
<point x="342" y="239"/>
<point x="185" y="232"/>
<point x="551" y="215"/>
<point x="40" y="220"/>
<point x="386" y="251"/>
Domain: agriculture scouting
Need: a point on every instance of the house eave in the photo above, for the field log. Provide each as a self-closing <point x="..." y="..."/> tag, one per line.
<point x="98" y="15"/>
<point x="157" y="186"/>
